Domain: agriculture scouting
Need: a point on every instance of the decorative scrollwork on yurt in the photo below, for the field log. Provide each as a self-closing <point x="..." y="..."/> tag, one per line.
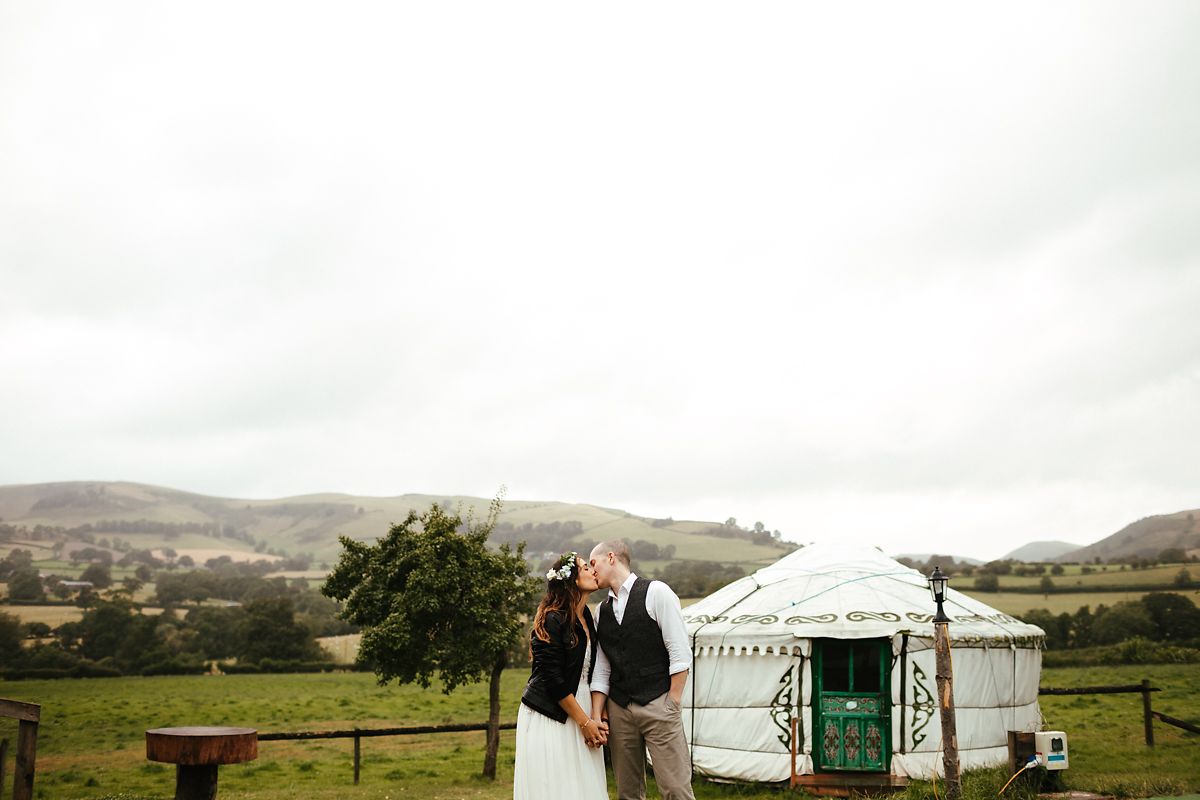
<point x="820" y="619"/>
<point x="763" y="619"/>
<point x="781" y="707"/>
<point x="914" y="616"/>
<point x="922" y="705"/>
<point x="878" y="616"/>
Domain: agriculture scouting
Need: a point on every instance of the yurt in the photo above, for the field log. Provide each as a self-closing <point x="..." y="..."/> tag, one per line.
<point x="841" y="639"/>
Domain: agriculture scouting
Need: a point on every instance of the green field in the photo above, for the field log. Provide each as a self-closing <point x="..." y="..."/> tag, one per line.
<point x="1103" y="575"/>
<point x="92" y="736"/>
<point x="1017" y="603"/>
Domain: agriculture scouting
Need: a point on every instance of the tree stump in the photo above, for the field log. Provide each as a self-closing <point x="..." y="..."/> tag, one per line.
<point x="196" y="754"/>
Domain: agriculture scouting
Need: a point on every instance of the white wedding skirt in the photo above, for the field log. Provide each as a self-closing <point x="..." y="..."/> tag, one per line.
<point x="553" y="761"/>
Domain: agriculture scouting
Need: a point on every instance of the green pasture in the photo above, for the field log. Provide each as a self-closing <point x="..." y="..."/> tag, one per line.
<point x="1103" y="575"/>
<point x="92" y="736"/>
<point x="1017" y="603"/>
<point x="1108" y="753"/>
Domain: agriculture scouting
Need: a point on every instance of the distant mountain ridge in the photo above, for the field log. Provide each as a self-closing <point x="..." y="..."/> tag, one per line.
<point x="153" y="517"/>
<point x="925" y="557"/>
<point x="1041" y="551"/>
<point x="1145" y="538"/>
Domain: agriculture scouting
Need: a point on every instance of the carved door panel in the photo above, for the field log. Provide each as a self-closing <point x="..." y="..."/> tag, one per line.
<point x="852" y="705"/>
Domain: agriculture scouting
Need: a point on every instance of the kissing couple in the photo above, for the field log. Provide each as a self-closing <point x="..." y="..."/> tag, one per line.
<point x="616" y="682"/>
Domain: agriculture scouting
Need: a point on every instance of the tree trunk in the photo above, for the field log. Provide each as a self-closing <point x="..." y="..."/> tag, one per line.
<point x="493" y="730"/>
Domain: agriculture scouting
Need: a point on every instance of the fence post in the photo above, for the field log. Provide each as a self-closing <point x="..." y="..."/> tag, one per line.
<point x="3" y="760"/>
<point x="26" y="758"/>
<point x="357" y="740"/>
<point x="1147" y="712"/>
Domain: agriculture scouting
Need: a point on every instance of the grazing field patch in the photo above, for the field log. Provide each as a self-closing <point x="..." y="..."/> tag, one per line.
<point x="1017" y="603"/>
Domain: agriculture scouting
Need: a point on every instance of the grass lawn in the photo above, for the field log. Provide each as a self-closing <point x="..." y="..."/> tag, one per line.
<point x="92" y="736"/>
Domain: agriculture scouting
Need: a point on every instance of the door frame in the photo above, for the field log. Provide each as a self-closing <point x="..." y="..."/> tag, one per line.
<point x="885" y="693"/>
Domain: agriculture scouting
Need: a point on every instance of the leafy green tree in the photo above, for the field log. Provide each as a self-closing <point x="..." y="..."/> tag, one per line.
<point x="1172" y="555"/>
<point x="217" y="631"/>
<point x="1046" y="585"/>
<point x="1057" y="569"/>
<point x="1183" y="578"/>
<point x="1081" y="626"/>
<point x="1175" y="617"/>
<point x="10" y="638"/>
<point x="698" y="578"/>
<point x="434" y="599"/>
<point x="25" y="584"/>
<point x="1057" y="628"/>
<point x="104" y="628"/>
<point x="99" y="574"/>
<point x="1123" y="621"/>
<point x="269" y="630"/>
<point x="987" y="583"/>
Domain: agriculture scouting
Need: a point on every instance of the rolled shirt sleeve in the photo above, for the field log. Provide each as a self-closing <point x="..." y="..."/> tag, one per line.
<point x="663" y="606"/>
<point x="602" y="670"/>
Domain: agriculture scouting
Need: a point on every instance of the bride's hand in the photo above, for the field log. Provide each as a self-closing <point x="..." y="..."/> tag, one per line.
<point x="592" y="733"/>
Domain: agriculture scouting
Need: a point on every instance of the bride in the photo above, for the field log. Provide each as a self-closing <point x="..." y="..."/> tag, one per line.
<point x="553" y="753"/>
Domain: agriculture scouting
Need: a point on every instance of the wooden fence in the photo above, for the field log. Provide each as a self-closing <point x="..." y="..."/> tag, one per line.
<point x="1144" y="689"/>
<point x="27" y="716"/>
<point x="358" y="734"/>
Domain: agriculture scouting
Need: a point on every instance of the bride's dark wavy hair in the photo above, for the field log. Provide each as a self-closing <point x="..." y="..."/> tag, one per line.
<point x="562" y="595"/>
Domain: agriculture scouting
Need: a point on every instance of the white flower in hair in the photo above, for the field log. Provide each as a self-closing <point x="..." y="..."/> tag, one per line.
<point x="566" y="565"/>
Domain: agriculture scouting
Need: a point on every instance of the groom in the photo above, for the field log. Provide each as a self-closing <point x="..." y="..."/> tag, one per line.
<point x="641" y="669"/>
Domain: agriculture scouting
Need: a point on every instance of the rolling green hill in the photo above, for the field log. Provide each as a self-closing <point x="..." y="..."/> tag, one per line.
<point x="1146" y="538"/>
<point x="152" y="517"/>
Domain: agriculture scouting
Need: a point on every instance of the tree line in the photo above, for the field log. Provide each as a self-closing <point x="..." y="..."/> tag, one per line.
<point x="1157" y="617"/>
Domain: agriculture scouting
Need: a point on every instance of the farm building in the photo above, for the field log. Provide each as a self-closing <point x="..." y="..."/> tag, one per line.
<point x="842" y="639"/>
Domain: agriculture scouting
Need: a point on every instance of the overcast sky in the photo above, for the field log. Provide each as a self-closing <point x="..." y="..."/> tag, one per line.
<point x="919" y="276"/>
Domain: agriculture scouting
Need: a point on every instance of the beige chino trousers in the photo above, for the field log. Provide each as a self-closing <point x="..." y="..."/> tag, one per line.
<point x="657" y="727"/>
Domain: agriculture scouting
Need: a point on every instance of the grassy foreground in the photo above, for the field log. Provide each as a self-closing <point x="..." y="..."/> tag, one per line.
<point x="92" y="737"/>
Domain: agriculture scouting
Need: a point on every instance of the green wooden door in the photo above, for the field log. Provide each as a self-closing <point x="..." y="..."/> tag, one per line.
<point x="851" y="705"/>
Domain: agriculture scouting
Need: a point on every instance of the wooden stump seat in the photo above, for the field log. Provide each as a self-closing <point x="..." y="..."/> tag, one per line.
<point x="197" y="753"/>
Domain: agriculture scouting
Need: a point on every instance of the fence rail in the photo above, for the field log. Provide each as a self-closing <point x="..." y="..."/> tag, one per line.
<point x="358" y="734"/>
<point x="1178" y="723"/>
<point x="1144" y="689"/>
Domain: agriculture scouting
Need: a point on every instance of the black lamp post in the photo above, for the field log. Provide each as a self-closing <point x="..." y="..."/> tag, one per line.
<point x="937" y="588"/>
<point x="945" y="684"/>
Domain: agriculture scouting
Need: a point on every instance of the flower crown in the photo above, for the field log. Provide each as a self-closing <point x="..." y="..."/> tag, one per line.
<point x="565" y="567"/>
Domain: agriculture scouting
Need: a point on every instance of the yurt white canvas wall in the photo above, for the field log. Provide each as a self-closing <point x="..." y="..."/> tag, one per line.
<point x="842" y="639"/>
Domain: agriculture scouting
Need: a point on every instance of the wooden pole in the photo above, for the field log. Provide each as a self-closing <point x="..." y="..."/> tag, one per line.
<point x="357" y="757"/>
<point x="945" y="689"/>
<point x="26" y="757"/>
<point x="3" y="761"/>
<point x="1147" y="712"/>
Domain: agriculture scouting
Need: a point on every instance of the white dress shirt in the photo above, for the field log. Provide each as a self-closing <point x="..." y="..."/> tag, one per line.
<point x="663" y="607"/>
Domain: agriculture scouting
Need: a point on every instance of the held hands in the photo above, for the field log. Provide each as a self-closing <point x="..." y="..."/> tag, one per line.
<point x="595" y="732"/>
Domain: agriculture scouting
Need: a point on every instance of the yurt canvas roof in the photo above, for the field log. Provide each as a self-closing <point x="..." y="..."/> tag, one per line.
<point x="834" y="591"/>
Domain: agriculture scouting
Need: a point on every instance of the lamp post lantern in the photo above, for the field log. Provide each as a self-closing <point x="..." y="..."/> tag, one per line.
<point x="945" y="684"/>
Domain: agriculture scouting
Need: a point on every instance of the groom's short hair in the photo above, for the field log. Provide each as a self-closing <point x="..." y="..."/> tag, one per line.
<point x="619" y="548"/>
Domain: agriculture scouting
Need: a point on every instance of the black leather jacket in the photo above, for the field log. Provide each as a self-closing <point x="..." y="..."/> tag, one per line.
<point x="557" y="665"/>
